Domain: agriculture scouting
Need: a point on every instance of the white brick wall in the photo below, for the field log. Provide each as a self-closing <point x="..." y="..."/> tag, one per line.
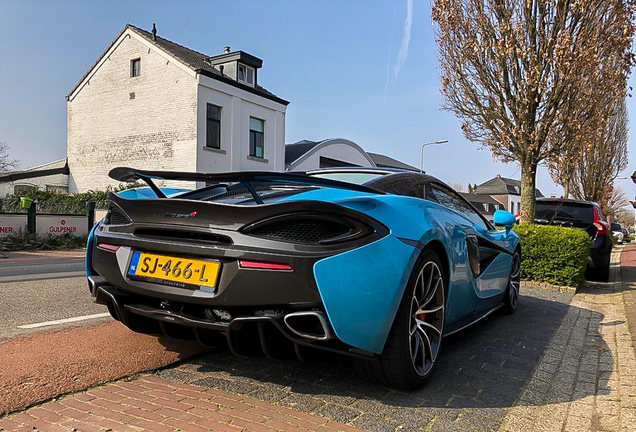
<point x="155" y="130"/>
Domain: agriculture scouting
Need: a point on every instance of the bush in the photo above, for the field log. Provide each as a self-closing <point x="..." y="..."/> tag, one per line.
<point x="57" y="202"/>
<point x="22" y="240"/>
<point x="553" y="254"/>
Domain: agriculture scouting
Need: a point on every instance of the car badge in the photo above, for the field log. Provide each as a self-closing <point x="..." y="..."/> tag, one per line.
<point x="181" y="215"/>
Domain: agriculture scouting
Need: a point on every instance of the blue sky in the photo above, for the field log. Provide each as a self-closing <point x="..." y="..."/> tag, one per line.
<point x="344" y="65"/>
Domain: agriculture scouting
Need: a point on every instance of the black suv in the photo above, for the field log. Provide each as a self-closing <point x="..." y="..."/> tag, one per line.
<point x="585" y="215"/>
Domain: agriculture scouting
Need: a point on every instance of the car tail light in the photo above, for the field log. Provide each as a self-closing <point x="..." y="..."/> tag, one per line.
<point x="108" y="247"/>
<point x="601" y="226"/>
<point x="263" y="265"/>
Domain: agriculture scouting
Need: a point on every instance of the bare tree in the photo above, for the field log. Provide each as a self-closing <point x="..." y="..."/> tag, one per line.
<point x="458" y="187"/>
<point x="513" y="70"/>
<point x="627" y="217"/>
<point x="599" y="162"/>
<point x="616" y="204"/>
<point x="6" y="163"/>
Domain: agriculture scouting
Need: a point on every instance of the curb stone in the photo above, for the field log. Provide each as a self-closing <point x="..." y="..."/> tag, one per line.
<point x="588" y="368"/>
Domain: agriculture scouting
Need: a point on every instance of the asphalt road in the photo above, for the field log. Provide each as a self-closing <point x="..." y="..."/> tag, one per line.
<point x="39" y="290"/>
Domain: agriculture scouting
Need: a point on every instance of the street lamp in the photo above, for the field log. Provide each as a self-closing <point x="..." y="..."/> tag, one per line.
<point x="422" y="151"/>
<point x="632" y="177"/>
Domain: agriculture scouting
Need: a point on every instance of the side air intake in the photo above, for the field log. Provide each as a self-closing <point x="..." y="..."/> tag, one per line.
<point x="116" y="216"/>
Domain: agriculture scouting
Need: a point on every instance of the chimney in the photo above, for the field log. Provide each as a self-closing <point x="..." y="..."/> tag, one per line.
<point x="226" y="49"/>
<point x="154" y="32"/>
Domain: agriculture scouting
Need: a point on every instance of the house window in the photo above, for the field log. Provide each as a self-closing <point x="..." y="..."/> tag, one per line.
<point x="246" y="74"/>
<point x="213" y="127"/>
<point x="485" y="206"/>
<point x="135" y="68"/>
<point x="496" y="206"/>
<point x="257" y="128"/>
<point x="57" y="188"/>
<point x="20" y="189"/>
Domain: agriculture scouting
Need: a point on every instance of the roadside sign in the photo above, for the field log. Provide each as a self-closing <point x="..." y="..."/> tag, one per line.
<point x="61" y="224"/>
<point x="12" y="223"/>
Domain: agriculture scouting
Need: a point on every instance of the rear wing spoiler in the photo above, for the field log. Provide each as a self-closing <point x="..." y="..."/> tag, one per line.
<point x="246" y="178"/>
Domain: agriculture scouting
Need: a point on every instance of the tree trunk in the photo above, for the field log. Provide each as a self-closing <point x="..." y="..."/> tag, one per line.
<point x="566" y="188"/>
<point x="528" y="198"/>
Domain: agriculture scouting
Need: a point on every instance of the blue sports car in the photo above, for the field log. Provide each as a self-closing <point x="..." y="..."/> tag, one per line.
<point x="376" y="264"/>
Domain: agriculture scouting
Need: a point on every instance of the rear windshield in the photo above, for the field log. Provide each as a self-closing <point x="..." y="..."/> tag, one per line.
<point x="549" y="212"/>
<point x="616" y="227"/>
<point x="350" y="177"/>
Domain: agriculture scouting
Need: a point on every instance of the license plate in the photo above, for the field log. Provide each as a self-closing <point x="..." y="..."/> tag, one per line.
<point x="172" y="271"/>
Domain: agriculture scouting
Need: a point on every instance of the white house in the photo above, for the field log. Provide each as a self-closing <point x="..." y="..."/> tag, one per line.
<point x="151" y="103"/>
<point x="505" y="190"/>
<point x="52" y="176"/>
<point x="335" y="152"/>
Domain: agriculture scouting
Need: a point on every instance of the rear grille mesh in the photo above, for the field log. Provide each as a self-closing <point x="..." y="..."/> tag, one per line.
<point x="116" y="216"/>
<point x="301" y="231"/>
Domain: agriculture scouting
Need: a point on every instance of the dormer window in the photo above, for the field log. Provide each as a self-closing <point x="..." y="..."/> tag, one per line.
<point x="246" y="74"/>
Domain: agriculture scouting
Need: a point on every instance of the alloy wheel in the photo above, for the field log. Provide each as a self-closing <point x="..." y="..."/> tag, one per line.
<point x="427" y="318"/>
<point x="515" y="280"/>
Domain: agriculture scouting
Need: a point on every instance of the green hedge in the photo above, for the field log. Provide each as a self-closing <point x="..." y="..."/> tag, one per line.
<point x="56" y="202"/>
<point x="21" y="240"/>
<point x="553" y="254"/>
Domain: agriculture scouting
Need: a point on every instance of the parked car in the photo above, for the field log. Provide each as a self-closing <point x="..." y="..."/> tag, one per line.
<point x="584" y="215"/>
<point x="617" y="231"/>
<point x="627" y="237"/>
<point x="376" y="264"/>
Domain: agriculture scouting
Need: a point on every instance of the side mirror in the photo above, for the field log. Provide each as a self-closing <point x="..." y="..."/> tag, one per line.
<point x="505" y="219"/>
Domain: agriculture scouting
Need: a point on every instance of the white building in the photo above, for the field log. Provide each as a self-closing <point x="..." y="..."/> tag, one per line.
<point x="307" y="155"/>
<point x="148" y="102"/>
<point x="52" y="176"/>
<point x="506" y="191"/>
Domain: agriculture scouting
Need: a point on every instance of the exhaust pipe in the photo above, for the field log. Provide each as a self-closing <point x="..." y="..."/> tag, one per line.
<point x="94" y="282"/>
<point x="310" y="325"/>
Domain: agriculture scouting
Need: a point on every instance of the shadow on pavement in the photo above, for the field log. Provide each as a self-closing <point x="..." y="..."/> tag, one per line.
<point x="480" y="371"/>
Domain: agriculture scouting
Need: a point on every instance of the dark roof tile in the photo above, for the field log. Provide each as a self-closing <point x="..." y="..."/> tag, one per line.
<point x="384" y="161"/>
<point x="294" y="151"/>
<point x="501" y="186"/>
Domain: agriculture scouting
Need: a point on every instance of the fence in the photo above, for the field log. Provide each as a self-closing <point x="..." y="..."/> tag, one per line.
<point x="44" y="224"/>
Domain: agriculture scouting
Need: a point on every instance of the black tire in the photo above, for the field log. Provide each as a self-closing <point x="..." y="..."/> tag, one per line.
<point x="415" y="339"/>
<point x="511" y="298"/>
<point x="602" y="273"/>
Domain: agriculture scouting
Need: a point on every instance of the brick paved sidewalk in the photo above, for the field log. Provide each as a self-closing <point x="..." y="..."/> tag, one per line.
<point x="586" y="380"/>
<point x="154" y="404"/>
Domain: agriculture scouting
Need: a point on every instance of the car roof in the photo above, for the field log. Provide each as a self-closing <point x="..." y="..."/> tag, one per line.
<point x="566" y="200"/>
<point x="369" y="170"/>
